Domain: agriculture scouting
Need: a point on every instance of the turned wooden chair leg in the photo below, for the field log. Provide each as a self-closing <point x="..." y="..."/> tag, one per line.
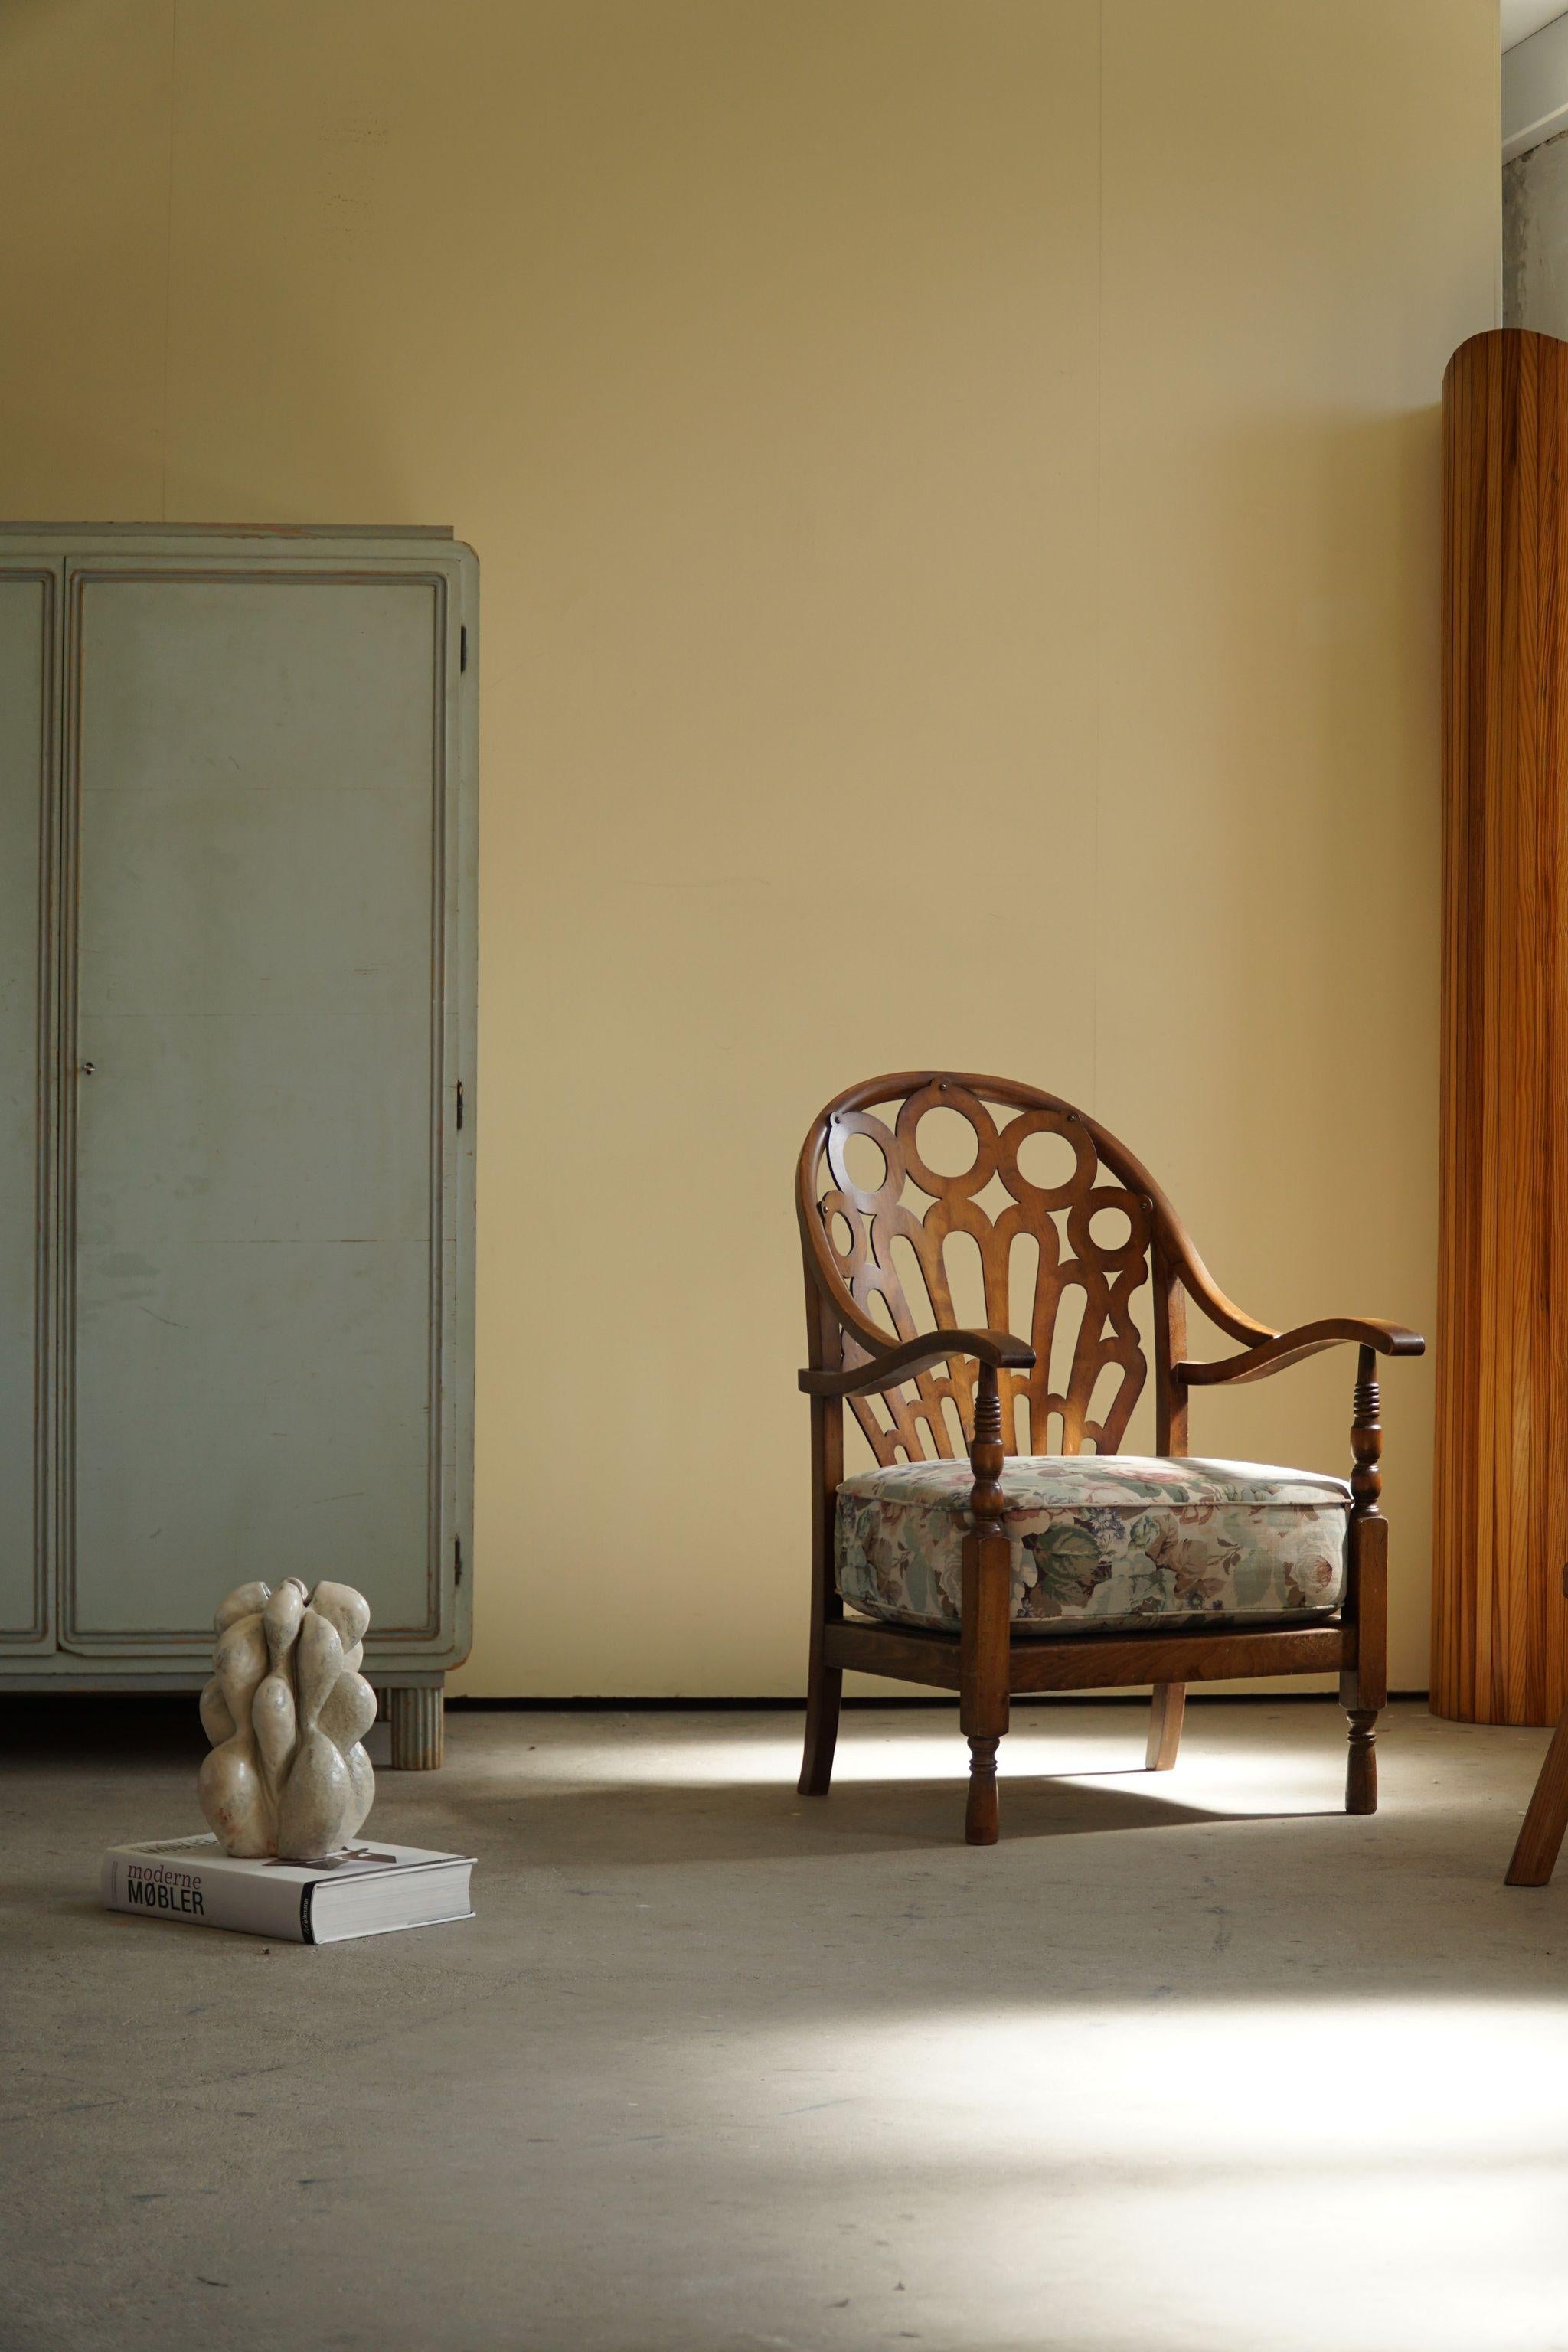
<point x="1540" y="1838"/>
<point x="1363" y="1687"/>
<point x="824" y="1684"/>
<point x="981" y="1815"/>
<point x="983" y="1693"/>
<point x="1360" y="1763"/>
<point x="986" y="1632"/>
<point x="1165" y="1725"/>
<point x="823" y="1693"/>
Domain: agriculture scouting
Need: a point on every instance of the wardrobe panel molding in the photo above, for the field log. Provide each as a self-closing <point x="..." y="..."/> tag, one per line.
<point x="30" y="596"/>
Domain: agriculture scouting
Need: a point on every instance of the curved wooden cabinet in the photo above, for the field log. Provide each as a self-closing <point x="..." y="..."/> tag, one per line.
<point x="1500" y="1626"/>
<point x="237" y="788"/>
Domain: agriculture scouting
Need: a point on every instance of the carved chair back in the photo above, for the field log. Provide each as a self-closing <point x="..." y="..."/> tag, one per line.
<point x="1068" y="1227"/>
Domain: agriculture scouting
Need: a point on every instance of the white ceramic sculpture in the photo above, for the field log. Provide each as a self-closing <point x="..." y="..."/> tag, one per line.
<point x="286" y="1710"/>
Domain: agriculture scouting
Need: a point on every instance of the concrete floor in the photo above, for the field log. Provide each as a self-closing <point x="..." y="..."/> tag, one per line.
<point x="1187" y="2064"/>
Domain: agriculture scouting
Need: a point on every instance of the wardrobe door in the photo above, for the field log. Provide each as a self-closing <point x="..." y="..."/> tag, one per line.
<point x="27" y="601"/>
<point x="258" y="770"/>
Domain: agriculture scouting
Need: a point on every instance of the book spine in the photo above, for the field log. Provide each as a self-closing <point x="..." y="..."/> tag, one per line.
<point x="252" y="1902"/>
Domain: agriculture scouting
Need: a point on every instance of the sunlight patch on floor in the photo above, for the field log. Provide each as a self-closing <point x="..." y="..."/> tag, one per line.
<point x="1228" y="2176"/>
<point x="1300" y="1772"/>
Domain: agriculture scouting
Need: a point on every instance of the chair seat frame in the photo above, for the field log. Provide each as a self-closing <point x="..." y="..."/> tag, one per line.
<point x="984" y="1663"/>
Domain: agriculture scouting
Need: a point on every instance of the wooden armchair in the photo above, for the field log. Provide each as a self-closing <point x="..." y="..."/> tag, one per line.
<point x="1024" y="1568"/>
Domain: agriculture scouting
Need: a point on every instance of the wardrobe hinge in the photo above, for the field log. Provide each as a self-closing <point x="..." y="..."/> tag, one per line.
<point x="459" y="1102"/>
<point x="462" y="649"/>
<point x="457" y="1559"/>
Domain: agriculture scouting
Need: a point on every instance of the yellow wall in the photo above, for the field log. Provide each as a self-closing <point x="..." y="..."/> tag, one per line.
<point x="956" y="483"/>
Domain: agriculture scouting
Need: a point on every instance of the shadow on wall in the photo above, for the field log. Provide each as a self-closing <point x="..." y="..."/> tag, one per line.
<point x="1535" y="239"/>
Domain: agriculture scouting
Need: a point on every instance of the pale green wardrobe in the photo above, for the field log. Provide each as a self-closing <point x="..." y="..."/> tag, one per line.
<point x="238" y="834"/>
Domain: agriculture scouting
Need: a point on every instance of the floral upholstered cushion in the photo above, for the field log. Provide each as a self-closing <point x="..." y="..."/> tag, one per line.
<point x="1100" y="1543"/>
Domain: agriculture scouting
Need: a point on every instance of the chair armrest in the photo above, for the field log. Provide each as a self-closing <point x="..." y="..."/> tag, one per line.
<point x="888" y="1366"/>
<point x="1281" y="1347"/>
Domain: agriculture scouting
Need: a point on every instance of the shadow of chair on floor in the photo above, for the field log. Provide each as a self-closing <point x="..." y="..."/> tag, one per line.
<point x="643" y="1822"/>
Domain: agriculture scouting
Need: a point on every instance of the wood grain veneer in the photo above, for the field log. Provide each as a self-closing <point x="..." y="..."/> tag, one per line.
<point x="1499" y="1629"/>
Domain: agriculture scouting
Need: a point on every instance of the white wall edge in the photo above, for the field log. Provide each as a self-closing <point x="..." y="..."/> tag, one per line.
<point x="1535" y="89"/>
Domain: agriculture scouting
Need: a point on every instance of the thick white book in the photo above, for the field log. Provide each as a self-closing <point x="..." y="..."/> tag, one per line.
<point x="371" y="1890"/>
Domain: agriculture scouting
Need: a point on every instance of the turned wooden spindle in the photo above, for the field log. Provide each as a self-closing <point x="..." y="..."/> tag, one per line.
<point x="986" y="1454"/>
<point x="1364" y="1687"/>
<point x="986" y="1605"/>
<point x="1366" y="1439"/>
